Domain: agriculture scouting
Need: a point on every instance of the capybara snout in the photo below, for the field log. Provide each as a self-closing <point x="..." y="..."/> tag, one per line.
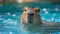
<point x="31" y="14"/>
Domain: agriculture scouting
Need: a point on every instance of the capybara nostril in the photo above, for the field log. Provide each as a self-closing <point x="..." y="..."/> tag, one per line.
<point x="30" y="14"/>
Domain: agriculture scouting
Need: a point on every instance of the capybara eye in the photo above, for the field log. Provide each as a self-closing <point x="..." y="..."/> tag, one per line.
<point x="25" y="10"/>
<point x="36" y="11"/>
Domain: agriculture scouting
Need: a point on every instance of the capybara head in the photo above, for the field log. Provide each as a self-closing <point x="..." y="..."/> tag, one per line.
<point x="31" y="13"/>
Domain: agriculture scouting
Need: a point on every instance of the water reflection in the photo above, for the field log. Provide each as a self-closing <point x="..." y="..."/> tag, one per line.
<point x="10" y="17"/>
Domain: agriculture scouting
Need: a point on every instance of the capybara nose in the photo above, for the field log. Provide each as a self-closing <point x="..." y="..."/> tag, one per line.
<point x="30" y="14"/>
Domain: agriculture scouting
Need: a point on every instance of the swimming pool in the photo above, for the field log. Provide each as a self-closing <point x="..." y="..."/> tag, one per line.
<point x="10" y="16"/>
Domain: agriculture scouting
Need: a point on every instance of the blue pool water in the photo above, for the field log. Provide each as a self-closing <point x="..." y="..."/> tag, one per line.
<point x="10" y="16"/>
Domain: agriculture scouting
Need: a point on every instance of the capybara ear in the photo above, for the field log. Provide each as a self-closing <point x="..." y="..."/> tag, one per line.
<point x="37" y="9"/>
<point x="25" y="8"/>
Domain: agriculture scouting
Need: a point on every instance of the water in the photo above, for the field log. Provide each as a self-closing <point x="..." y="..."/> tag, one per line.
<point x="10" y="16"/>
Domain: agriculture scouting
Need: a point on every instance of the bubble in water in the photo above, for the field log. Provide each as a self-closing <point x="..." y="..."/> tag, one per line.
<point x="43" y="18"/>
<point x="10" y="32"/>
<point x="46" y="12"/>
<point x="52" y="18"/>
<point x="8" y="13"/>
<point x="54" y="14"/>
<point x="0" y="32"/>
<point x="44" y="9"/>
<point x="56" y="9"/>
<point x="14" y="15"/>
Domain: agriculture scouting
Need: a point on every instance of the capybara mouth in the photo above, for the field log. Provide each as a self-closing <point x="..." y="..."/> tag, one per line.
<point x="30" y="19"/>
